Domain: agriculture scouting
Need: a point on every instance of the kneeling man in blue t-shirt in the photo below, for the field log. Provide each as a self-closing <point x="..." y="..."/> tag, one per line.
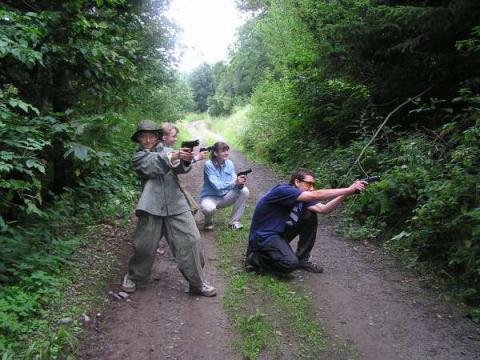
<point x="284" y="212"/>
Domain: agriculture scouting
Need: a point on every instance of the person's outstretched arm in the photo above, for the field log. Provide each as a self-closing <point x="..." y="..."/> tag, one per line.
<point x="327" y="194"/>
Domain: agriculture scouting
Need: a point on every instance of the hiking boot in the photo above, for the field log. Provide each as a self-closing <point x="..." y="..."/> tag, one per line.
<point x="128" y="285"/>
<point x="235" y="226"/>
<point x="251" y="265"/>
<point x="205" y="290"/>
<point x="208" y="227"/>
<point x="308" y="265"/>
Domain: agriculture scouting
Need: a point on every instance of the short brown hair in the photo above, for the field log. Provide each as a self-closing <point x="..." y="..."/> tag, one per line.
<point x="299" y="174"/>
<point x="167" y="128"/>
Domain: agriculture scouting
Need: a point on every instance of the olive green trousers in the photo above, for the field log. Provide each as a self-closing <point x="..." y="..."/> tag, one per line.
<point x="183" y="238"/>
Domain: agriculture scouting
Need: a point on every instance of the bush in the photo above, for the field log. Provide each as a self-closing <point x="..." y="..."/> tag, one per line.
<point x="219" y="106"/>
<point x="427" y="204"/>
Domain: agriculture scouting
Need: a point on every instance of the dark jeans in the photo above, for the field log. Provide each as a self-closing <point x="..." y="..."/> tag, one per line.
<point x="277" y="256"/>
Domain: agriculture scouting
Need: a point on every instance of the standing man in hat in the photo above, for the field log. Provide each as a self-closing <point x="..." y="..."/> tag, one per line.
<point x="162" y="210"/>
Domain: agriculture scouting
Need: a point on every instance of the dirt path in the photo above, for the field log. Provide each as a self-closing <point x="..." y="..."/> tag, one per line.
<point x="363" y="299"/>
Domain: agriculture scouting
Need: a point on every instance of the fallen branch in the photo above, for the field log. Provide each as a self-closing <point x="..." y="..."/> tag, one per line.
<point x="357" y="161"/>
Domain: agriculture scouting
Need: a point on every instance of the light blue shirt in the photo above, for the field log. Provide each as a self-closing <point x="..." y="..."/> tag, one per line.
<point x="218" y="180"/>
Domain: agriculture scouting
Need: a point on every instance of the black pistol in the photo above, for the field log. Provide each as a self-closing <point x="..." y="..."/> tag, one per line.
<point x="202" y="149"/>
<point x="245" y="173"/>
<point x="190" y="144"/>
<point x="370" y="179"/>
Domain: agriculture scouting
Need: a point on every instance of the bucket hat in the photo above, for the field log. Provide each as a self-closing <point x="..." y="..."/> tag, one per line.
<point x="145" y="125"/>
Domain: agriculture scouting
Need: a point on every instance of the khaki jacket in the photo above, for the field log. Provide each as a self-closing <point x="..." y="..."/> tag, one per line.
<point x="161" y="194"/>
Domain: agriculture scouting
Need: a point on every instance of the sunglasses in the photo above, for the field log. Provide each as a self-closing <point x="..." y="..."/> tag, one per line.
<point x="309" y="183"/>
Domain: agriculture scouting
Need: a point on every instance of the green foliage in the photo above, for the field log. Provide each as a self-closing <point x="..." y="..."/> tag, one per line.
<point x="427" y="203"/>
<point x="202" y="83"/>
<point x="218" y="106"/>
<point x="189" y="117"/>
<point x="276" y="116"/>
<point x="20" y="165"/>
<point x="75" y="77"/>
<point x="63" y="66"/>
<point x="246" y="67"/>
<point x="34" y="255"/>
<point x="231" y="127"/>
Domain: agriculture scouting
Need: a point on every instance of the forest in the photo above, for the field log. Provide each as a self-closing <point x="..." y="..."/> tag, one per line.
<point x="346" y="88"/>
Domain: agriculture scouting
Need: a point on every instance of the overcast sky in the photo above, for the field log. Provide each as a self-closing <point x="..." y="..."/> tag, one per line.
<point x="208" y="29"/>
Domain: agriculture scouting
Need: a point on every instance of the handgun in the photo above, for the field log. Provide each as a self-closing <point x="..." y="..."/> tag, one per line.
<point x="202" y="149"/>
<point x="245" y="173"/>
<point x="190" y="144"/>
<point x="370" y="179"/>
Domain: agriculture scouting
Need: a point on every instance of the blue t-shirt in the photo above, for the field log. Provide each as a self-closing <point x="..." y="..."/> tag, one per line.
<point x="275" y="210"/>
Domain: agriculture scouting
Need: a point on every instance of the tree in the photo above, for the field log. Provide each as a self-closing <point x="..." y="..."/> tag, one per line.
<point x="202" y="83"/>
<point x="63" y="64"/>
<point x="248" y="62"/>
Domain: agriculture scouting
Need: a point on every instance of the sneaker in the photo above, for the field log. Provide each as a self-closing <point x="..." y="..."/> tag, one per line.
<point x="128" y="285"/>
<point x="235" y="226"/>
<point x="308" y="265"/>
<point x="205" y="290"/>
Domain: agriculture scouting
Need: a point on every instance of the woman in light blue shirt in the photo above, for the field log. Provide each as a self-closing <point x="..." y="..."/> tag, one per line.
<point x="222" y="188"/>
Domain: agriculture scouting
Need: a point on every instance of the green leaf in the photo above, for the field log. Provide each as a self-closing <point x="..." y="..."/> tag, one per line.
<point x="30" y="163"/>
<point x="79" y="151"/>
<point x="32" y="208"/>
<point x="5" y="167"/>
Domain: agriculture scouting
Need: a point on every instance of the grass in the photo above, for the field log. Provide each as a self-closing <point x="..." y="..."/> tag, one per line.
<point x="77" y="290"/>
<point x="195" y="117"/>
<point x="272" y="315"/>
<point x="231" y="127"/>
<point x="232" y="130"/>
<point x="183" y="134"/>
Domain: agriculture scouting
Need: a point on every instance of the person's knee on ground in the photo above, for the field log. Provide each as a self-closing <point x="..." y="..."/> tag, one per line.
<point x="258" y="262"/>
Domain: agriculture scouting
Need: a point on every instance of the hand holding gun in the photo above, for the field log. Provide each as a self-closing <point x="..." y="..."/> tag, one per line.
<point x="367" y="180"/>
<point x="242" y="178"/>
<point x="189" y="145"/>
<point x="244" y="173"/>
<point x="209" y="148"/>
<point x="370" y="179"/>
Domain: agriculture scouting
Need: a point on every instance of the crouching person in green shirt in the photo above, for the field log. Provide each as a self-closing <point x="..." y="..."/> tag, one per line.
<point x="162" y="210"/>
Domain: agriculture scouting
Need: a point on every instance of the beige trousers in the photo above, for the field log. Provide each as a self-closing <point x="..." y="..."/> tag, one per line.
<point x="182" y="236"/>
